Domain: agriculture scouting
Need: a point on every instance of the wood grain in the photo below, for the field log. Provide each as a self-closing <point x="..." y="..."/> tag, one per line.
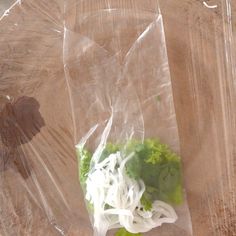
<point x="201" y="50"/>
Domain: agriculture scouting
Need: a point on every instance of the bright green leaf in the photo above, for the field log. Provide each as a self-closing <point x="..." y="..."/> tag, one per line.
<point x="124" y="232"/>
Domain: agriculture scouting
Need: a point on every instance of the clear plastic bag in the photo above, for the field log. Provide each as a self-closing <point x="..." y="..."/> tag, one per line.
<point x="39" y="188"/>
<point x="201" y="49"/>
<point x="118" y="78"/>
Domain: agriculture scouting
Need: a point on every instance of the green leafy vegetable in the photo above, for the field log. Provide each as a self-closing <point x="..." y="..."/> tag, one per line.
<point x="153" y="162"/>
<point x="146" y="201"/>
<point x="124" y="232"/>
<point x="158" y="98"/>
<point x="134" y="167"/>
<point x="84" y="157"/>
<point x="159" y="168"/>
<point x="109" y="149"/>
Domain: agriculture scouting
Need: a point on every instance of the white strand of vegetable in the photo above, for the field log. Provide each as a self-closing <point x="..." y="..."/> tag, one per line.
<point x="116" y="199"/>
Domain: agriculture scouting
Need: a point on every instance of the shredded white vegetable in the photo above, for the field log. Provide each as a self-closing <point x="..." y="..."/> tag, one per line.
<point x="116" y="199"/>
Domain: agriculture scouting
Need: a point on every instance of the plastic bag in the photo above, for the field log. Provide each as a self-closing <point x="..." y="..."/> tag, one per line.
<point x="201" y="50"/>
<point x="118" y="78"/>
<point x="39" y="190"/>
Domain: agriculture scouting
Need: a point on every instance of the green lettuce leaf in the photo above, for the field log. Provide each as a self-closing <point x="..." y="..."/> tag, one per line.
<point x="124" y="232"/>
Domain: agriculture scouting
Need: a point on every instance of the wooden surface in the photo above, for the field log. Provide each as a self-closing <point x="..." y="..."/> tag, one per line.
<point x="5" y="4"/>
<point x="201" y="51"/>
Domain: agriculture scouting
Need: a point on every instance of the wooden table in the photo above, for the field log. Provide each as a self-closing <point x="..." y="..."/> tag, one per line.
<point x="201" y="51"/>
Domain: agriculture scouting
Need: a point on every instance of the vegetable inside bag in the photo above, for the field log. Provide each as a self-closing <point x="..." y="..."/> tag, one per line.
<point x="124" y="120"/>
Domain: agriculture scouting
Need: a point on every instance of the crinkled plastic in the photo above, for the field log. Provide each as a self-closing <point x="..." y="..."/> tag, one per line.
<point x="39" y="189"/>
<point x="201" y="50"/>
<point x="41" y="112"/>
<point x="118" y="77"/>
